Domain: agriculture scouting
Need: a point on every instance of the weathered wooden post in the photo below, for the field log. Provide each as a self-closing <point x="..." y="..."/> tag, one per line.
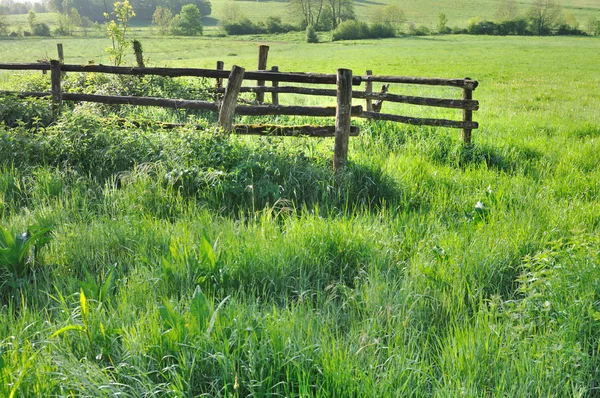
<point x="227" y="109"/>
<point x="263" y="53"/>
<point x="275" y="94"/>
<point x="55" y="78"/>
<point x="467" y="113"/>
<point x="369" y="90"/>
<point x="61" y="54"/>
<point x="220" y="66"/>
<point x="342" y="118"/>
<point x="139" y="56"/>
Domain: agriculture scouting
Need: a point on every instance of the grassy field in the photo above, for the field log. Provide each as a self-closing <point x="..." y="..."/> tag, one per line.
<point x="417" y="12"/>
<point x="184" y="263"/>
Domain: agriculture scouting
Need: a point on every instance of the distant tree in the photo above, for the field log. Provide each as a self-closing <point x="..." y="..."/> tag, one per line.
<point x="341" y="10"/>
<point x="231" y="12"/>
<point x="188" y="22"/>
<point x="311" y="35"/>
<point x="442" y="27"/>
<point x="40" y="29"/>
<point x="593" y="26"/>
<point x="86" y="25"/>
<point x="570" y="20"/>
<point x="507" y="10"/>
<point x="3" y="24"/>
<point x="31" y="19"/>
<point x="161" y="19"/>
<point x="390" y="14"/>
<point x="309" y="10"/>
<point x="544" y="16"/>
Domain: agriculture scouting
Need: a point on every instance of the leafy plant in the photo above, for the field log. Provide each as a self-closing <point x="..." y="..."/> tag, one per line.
<point x="16" y="249"/>
<point x="117" y="31"/>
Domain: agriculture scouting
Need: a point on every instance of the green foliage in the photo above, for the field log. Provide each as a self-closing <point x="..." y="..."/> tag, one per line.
<point x="41" y="29"/>
<point x="117" y="31"/>
<point x="243" y="26"/>
<point x="354" y="30"/>
<point x="16" y="249"/>
<point x="311" y="35"/>
<point x="161" y="20"/>
<point x="274" y="25"/>
<point x="188" y="22"/>
<point x="442" y="27"/>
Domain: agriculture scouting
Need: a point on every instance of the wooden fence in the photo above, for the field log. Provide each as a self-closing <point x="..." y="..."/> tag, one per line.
<point x="227" y="106"/>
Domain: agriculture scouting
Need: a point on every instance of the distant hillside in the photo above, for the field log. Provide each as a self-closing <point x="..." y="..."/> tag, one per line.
<point x="419" y="12"/>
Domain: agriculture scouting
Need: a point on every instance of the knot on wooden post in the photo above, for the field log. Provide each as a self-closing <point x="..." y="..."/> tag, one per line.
<point x="227" y="108"/>
<point x="342" y="118"/>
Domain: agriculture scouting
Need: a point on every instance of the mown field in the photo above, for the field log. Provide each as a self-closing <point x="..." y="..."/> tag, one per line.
<point x="188" y="263"/>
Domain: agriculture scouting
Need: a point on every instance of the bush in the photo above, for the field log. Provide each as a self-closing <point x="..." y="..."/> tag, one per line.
<point x="274" y="25"/>
<point x="420" y="30"/>
<point x="311" y="35"/>
<point x="244" y="26"/>
<point x="381" y="30"/>
<point x="41" y="29"/>
<point x="567" y="30"/>
<point x="188" y="22"/>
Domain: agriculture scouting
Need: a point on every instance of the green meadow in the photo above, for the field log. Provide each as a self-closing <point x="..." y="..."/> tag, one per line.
<point x="185" y="263"/>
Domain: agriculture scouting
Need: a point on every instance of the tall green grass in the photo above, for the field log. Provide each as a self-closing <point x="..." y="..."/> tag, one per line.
<point x="187" y="263"/>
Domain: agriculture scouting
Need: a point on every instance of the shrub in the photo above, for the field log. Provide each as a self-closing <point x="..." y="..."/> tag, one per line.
<point x="41" y="29"/>
<point x="420" y="30"/>
<point x="243" y="26"/>
<point x="311" y="35"/>
<point x="274" y="25"/>
<point x="381" y="30"/>
<point x="188" y="22"/>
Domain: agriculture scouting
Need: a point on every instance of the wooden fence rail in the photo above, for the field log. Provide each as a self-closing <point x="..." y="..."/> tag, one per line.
<point x="227" y="106"/>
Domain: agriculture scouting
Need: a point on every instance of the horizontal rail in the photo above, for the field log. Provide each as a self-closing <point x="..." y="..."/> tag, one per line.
<point x="292" y="77"/>
<point x="36" y="66"/>
<point x="262" y="110"/>
<point x="416" y="121"/>
<point x="404" y="99"/>
<point x="143" y="101"/>
<point x="25" y="94"/>
<point x="429" y="81"/>
<point x="290" y="131"/>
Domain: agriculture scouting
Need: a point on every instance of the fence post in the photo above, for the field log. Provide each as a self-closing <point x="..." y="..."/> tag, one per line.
<point x="55" y="78"/>
<point x="467" y="114"/>
<point x="227" y="109"/>
<point x="139" y="56"/>
<point x="61" y="54"/>
<point x="274" y="94"/>
<point x="342" y="118"/>
<point x="263" y="53"/>
<point x="220" y="66"/>
<point x="369" y="90"/>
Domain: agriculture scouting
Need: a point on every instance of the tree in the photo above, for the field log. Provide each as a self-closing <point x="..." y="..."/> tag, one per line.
<point x="3" y="24"/>
<point x="593" y="26"/>
<point x="31" y="19"/>
<point x="117" y="31"/>
<point x="389" y="15"/>
<point x="311" y="35"/>
<point x="341" y="10"/>
<point x="188" y="22"/>
<point x="507" y="11"/>
<point x="544" y="16"/>
<point x="310" y="10"/>
<point x="442" y="24"/>
<point x="161" y="19"/>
